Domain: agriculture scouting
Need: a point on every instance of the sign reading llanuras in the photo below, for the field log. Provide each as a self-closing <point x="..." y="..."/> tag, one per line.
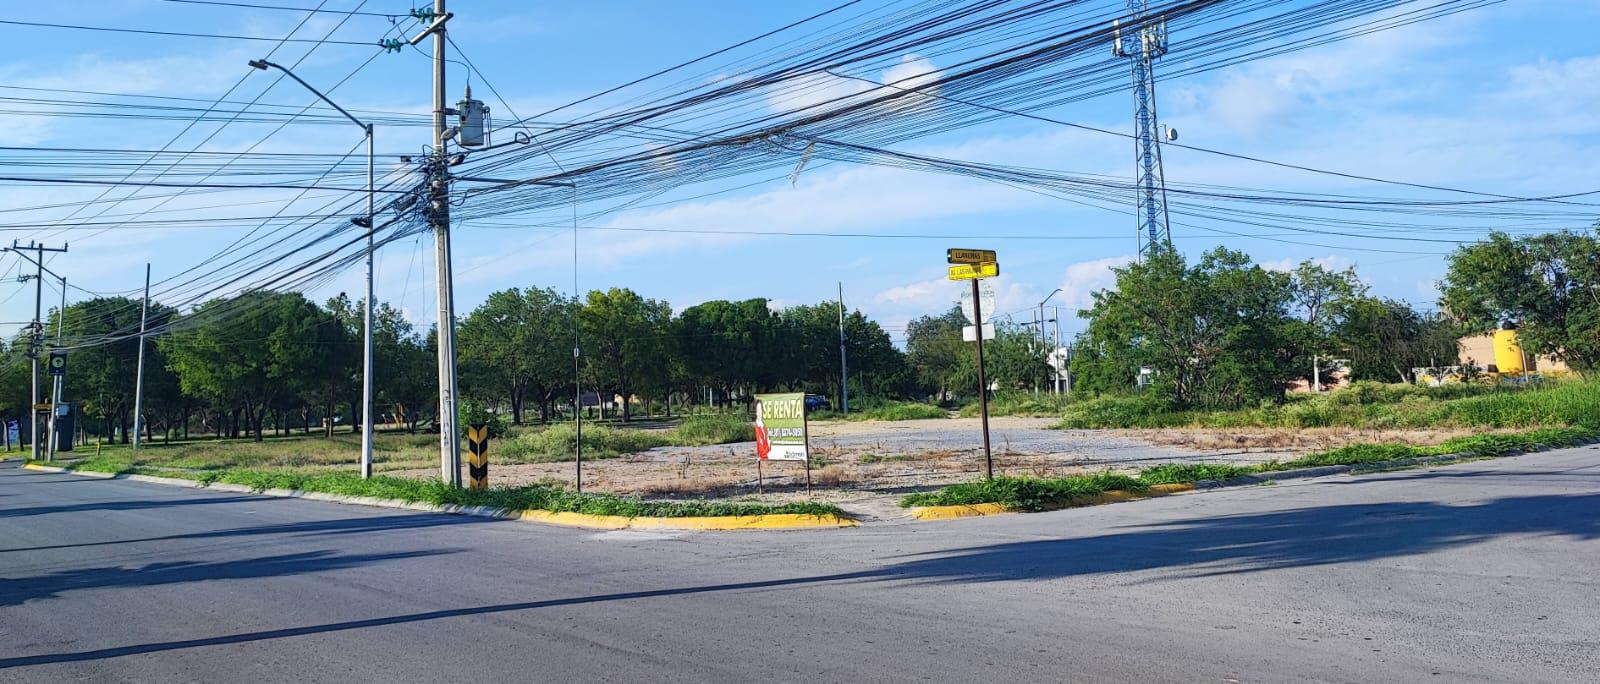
<point x="781" y="426"/>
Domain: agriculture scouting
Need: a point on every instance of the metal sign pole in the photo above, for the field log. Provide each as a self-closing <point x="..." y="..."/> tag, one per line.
<point x="983" y="384"/>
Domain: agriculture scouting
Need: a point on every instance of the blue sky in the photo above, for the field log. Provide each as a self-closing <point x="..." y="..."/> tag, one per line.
<point x="1500" y="99"/>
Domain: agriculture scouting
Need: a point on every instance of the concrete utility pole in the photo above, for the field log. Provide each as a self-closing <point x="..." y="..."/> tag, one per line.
<point x="844" y="372"/>
<point x="36" y="339"/>
<point x="138" y="375"/>
<point x="449" y="447"/>
<point x="57" y="380"/>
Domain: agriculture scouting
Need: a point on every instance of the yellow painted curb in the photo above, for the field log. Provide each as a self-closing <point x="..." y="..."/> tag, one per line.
<point x="773" y="521"/>
<point x="1113" y="496"/>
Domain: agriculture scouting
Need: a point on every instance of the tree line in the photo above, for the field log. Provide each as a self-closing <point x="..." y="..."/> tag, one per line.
<point x="1219" y="332"/>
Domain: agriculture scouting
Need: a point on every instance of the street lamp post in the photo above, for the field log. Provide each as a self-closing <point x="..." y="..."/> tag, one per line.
<point x="366" y="316"/>
<point x="1043" y="341"/>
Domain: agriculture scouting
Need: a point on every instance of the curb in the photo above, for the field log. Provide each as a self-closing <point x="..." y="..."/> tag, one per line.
<point x="1112" y="496"/>
<point x="771" y="521"/>
<point x="973" y="510"/>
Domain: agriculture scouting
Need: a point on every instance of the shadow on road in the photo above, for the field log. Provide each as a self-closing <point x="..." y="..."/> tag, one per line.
<point x="123" y="505"/>
<point x="17" y="591"/>
<point x="314" y="528"/>
<point x="1221" y="545"/>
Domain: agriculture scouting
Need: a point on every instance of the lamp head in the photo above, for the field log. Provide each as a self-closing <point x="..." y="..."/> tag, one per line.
<point x="259" y="64"/>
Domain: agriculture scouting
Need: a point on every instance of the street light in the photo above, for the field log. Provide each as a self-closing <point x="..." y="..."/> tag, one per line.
<point x="366" y="316"/>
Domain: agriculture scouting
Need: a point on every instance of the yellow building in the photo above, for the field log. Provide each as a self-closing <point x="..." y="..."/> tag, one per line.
<point x="1498" y="352"/>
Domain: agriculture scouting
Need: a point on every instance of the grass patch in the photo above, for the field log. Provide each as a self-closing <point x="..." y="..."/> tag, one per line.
<point x="892" y="410"/>
<point x="1033" y="494"/>
<point x="1365" y="405"/>
<point x="532" y="497"/>
<point x="557" y="443"/>
<point x="1182" y="473"/>
<point x="1025" y="493"/>
<point x="713" y="428"/>
<point x="1020" y="404"/>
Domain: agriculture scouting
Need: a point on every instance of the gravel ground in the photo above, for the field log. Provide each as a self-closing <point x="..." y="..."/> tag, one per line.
<point x="867" y="466"/>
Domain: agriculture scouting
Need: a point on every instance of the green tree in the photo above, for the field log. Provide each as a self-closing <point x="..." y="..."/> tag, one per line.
<point x="512" y="347"/>
<point x="247" y="351"/>
<point x="1549" y="284"/>
<point x="729" y="345"/>
<point x="101" y="377"/>
<point x="935" y="352"/>
<point x="1384" y="339"/>
<point x="1219" y="333"/>
<point x="623" y="335"/>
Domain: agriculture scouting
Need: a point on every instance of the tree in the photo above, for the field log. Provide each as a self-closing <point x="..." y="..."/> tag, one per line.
<point x="623" y="334"/>
<point x="1217" y="334"/>
<point x="247" y="351"/>
<point x="1549" y="284"/>
<point x="1384" y="339"/>
<point x="934" y="350"/>
<point x="406" y="365"/>
<point x="728" y="345"/>
<point x="513" y="347"/>
<point x="101" y="378"/>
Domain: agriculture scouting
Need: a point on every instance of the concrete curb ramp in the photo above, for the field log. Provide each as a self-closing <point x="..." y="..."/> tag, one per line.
<point x="774" y="521"/>
<point x="1113" y="496"/>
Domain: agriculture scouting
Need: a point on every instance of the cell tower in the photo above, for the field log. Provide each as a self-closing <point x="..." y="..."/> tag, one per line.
<point x="1142" y="44"/>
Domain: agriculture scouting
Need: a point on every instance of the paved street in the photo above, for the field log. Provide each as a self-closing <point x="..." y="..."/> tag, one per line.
<point x="1481" y="571"/>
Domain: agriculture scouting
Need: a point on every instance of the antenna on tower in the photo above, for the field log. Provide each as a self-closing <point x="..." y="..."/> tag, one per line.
<point x="1142" y="43"/>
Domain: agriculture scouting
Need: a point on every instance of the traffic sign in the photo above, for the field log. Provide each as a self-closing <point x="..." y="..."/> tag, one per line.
<point x="956" y="255"/>
<point x="58" y="362"/>
<point x="969" y="333"/>
<point x="974" y="271"/>
<point x="985" y="297"/>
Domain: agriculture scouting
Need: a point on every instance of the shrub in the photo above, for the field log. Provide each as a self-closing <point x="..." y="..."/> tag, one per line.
<point x="1121" y="412"/>
<point x="1025" y="493"/>
<point x="713" y="428"/>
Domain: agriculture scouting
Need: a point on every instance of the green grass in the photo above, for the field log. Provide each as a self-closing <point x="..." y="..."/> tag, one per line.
<point x="713" y="428"/>
<point x="1025" y="493"/>
<point x="1032" y="494"/>
<point x="532" y="497"/>
<point x="1020" y="404"/>
<point x="892" y="410"/>
<point x="1366" y="405"/>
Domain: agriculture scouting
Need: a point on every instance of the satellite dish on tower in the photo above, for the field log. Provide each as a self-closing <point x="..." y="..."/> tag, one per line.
<point x="1172" y="133"/>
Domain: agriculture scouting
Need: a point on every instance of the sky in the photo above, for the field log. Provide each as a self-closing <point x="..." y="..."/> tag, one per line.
<point x="1500" y="99"/>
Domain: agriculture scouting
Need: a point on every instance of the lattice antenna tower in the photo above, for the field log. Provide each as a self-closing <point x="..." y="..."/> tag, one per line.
<point x="1142" y="43"/>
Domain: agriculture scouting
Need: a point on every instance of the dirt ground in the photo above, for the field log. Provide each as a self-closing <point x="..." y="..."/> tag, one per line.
<point x="865" y="466"/>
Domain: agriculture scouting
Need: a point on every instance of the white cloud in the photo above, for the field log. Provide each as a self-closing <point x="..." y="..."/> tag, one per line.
<point x="1332" y="262"/>
<point x="1082" y="279"/>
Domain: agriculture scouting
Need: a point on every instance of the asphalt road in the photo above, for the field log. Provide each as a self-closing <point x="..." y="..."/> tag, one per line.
<point x="1482" y="571"/>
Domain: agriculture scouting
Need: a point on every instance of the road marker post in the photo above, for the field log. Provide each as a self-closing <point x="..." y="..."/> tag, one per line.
<point x="974" y="265"/>
<point x="478" y="457"/>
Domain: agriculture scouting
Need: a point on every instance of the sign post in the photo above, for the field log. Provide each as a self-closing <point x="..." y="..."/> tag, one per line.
<point x="973" y="265"/>
<point x="781" y="433"/>
<point x="478" y="457"/>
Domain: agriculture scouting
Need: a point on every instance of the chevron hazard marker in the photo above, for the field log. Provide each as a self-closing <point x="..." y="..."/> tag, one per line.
<point x="478" y="456"/>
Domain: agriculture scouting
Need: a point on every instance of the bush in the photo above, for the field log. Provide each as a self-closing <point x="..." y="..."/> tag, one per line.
<point x="1183" y="473"/>
<point x="1020" y="404"/>
<point x="886" y="410"/>
<point x="713" y="428"/>
<point x="557" y="443"/>
<point x="1139" y="411"/>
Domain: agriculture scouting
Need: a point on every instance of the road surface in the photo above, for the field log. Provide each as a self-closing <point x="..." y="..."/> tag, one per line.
<point x="1481" y="571"/>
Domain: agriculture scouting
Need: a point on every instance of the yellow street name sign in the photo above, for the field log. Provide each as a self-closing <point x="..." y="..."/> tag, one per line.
<point x="974" y="271"/>
<point x="956" y="255"/>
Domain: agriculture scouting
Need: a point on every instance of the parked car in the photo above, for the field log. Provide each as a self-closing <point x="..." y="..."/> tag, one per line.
<point x="817" y="402"/>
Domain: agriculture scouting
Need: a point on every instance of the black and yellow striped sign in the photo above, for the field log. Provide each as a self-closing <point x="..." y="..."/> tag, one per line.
<point x="478" y="456"/>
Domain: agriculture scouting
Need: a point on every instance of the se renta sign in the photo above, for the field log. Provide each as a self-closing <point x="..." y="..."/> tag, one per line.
<point x="781" y="427"/>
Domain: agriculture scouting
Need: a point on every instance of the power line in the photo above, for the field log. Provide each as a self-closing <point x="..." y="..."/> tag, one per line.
<point x="181" y="34"/>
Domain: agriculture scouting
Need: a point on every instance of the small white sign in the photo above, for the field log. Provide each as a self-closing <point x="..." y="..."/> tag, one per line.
<point x="969" y="333"/>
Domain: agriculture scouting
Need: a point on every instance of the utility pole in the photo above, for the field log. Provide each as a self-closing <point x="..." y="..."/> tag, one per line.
<point x="983" y="383"/>
<point x="844" y="372"/>
<point x="138" y="375"/>
<point x="36" y="339"/>
<point x="1142" y="45"/>
<point x="1056" y="348"/>
<point x="449" y="447"/>
<point x="55" y="388"/>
